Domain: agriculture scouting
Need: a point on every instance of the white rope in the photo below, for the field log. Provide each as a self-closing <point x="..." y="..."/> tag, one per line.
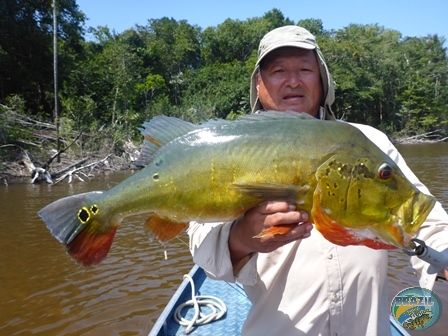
<point x="216" y="305"/>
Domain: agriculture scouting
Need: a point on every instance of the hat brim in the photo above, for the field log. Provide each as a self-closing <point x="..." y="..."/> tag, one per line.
<point x="302" y="45"/>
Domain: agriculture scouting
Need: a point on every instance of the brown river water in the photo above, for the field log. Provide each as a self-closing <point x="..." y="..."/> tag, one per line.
<point x="43" y="292"/>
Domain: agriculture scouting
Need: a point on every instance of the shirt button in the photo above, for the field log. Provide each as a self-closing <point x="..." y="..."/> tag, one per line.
<point x="330" y="256"/>
<point x="335" y="296"/>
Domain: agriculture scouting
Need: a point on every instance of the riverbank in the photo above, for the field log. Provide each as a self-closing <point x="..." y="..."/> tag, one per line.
<point x="97" y="163"/>
<point x="92" y="165"/>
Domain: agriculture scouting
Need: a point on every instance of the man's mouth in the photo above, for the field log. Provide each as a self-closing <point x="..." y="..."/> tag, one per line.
<point x="292" y="96"/>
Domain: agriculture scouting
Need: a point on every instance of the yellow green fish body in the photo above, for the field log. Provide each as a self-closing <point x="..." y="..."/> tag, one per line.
<point x="355" y="194"/>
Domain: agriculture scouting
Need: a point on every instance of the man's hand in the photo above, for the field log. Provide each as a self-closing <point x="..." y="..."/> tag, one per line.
<point x="255" y="220"/>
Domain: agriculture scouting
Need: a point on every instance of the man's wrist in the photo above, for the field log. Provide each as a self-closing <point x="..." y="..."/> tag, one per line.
<point x="239" y="253"/>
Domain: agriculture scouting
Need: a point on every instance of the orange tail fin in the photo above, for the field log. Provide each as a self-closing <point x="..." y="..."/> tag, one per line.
<point x="76" y="221"/>
<point x="89" y="249"/>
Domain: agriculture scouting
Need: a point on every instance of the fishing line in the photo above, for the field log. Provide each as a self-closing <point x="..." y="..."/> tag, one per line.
<point x="165" y="252"/>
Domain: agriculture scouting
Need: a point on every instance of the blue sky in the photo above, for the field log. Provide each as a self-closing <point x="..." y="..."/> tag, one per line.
<point x="411" y="18"/>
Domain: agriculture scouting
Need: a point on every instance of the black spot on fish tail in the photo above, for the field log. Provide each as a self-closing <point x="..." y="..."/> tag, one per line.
<point x="66" y="217"/>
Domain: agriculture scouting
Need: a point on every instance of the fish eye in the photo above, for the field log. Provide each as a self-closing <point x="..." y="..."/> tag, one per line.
<point x="385" y="171"/>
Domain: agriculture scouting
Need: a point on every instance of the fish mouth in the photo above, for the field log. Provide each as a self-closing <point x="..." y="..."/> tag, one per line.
<point x="411" y="215"/>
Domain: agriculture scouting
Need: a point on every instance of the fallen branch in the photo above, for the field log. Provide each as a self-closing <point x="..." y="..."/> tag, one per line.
<point x="37" y="174"/>
<point x="77" y="171"/>
<point x="25" y="120"/>
<point x="76" y="164"/>
<point x="423" y="135"/>
<point x="428" y="137"/>
<point x="47" y="164"/>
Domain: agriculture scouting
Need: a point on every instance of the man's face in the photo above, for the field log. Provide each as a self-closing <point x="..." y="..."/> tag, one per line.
<point x="290" y="80"/>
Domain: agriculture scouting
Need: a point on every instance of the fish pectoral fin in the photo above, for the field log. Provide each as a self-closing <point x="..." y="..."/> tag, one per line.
<point x="276" y="230"/>
<point x="163" y="229"/>
<point x="273" y="191"/>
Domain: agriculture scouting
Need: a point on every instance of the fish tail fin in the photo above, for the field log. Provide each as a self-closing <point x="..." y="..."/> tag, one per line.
<point x="74" y="221"/>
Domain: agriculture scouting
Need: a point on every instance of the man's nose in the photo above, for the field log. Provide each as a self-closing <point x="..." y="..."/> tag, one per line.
<point x="294" y="79"/>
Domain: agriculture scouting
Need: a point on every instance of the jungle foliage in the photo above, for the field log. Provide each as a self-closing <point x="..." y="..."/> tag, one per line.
<point x="112" y="82"/>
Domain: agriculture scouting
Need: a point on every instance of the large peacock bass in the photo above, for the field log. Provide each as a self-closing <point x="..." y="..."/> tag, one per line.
<point x="355" y="194"/>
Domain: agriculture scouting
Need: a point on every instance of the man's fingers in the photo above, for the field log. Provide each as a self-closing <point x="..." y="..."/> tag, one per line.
<point x="290" y="217"/>
<point x="302" y="230"/>
<point x="270" y="207"/>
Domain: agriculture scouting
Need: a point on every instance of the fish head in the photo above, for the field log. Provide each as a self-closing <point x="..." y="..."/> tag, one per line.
<point x="369" y="197"/>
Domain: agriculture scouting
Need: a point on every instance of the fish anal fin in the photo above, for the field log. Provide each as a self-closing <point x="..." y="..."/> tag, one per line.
<point x="163" y="229"/>
<point x="273" y="191"/>
<point x="90" y="248"/>
<point x="276" y="230"/>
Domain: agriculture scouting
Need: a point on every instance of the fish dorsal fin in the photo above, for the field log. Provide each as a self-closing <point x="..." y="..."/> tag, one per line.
<point x="276" y="115"/>
<point x="258" y="117"/>
<point x="159" y="131"/>
<point x="162" y="129"/>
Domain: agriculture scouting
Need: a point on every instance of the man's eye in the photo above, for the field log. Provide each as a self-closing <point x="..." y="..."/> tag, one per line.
<point x="278" y="71"/>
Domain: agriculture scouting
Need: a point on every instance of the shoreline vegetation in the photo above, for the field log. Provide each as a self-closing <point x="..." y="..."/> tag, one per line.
<point x="33" y="157"/>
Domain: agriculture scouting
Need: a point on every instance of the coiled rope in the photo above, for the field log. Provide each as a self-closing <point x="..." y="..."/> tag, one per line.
<point x="217" y="306"/>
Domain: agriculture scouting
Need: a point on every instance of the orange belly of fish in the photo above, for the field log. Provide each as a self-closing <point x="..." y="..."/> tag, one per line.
<point x="340" y="235"/>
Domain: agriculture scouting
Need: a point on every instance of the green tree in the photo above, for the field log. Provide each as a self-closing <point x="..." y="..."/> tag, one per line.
<point x="359" y="57"/>
<point x="171" y="47"/>
<point x="314" y="26"/>
<point x="424" y="96"/>
<point x="26" y="57"/>
<point x="218" y="89"/>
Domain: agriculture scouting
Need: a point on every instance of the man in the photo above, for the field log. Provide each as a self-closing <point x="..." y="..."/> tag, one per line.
<point x="300" y="283"/>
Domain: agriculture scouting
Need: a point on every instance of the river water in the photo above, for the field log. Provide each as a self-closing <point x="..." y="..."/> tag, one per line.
<point x="42" y="292"/>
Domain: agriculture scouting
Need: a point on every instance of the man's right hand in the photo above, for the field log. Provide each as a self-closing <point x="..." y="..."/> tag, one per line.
<point x="242" y="242"/>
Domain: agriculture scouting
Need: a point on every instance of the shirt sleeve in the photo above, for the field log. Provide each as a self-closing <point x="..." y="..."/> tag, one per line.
<point x="434" y="231"/>
<point x="210" y="249"/>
